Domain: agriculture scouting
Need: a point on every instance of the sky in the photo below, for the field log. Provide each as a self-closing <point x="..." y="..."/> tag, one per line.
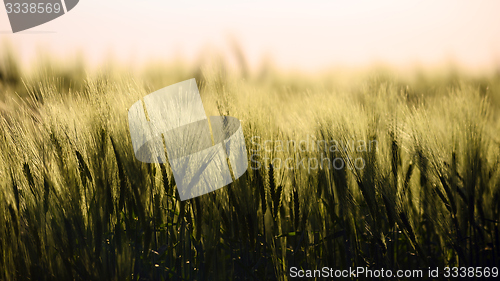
<point x="306" y="35"/>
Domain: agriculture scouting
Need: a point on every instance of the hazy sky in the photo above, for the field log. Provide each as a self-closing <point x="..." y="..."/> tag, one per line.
<point x="301" y="34"/>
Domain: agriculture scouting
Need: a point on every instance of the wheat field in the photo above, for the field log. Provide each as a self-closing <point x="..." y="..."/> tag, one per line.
<point x="77" y="205"/>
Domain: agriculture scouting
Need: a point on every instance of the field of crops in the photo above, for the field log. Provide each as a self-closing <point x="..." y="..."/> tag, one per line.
<point x="419" y="184"/>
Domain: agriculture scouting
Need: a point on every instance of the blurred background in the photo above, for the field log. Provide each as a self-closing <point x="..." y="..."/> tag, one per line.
<point x="299" y="35"/>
